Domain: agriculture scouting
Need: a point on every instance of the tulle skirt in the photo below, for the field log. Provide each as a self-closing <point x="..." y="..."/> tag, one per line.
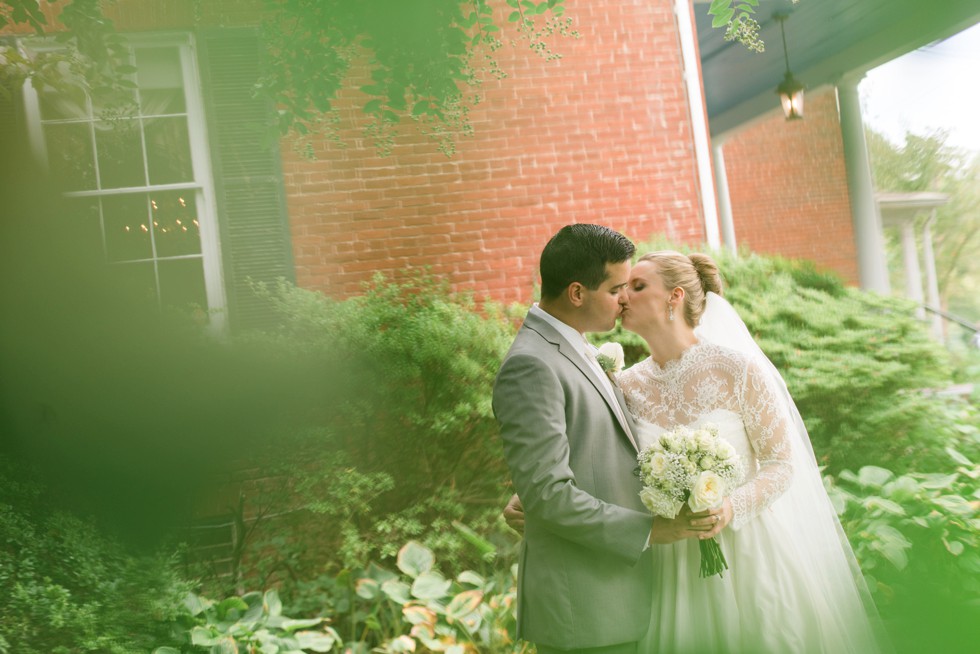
<point x="770" y="600"/>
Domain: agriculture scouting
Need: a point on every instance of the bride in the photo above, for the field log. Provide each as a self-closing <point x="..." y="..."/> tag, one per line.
<point x="793" y="584"/>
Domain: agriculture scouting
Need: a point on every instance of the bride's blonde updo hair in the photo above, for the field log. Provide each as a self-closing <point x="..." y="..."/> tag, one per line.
<point x="695" y="273"/>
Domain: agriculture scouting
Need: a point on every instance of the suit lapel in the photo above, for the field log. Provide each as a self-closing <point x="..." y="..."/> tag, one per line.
<point x="569" y="352"/>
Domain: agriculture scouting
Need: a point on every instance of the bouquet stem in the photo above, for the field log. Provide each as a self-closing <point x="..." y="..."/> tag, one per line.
<point x="712" y="558"/>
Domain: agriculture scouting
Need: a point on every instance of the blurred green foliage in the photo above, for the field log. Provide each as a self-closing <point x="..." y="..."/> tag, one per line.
<point x="67" y="586"/>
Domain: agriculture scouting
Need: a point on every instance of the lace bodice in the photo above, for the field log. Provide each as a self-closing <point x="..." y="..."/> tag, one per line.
<point x="710" y="383"/>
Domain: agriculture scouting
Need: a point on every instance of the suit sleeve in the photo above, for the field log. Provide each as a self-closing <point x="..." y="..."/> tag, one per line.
<point x="529" y="404"/>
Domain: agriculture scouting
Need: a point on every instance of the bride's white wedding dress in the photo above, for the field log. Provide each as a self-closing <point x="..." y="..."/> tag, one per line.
<point x="781" y="594"/>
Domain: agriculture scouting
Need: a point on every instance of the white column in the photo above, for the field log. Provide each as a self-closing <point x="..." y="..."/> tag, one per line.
<point x="913" y="274"/>
<point x="699" y="119"/>
<point x="872" y="264"/>
<point x="932" y="283"/>
<point x="724" y="200"/>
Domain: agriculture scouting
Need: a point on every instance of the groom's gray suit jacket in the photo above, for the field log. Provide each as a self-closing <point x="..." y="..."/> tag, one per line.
<point x="584" y="578"/>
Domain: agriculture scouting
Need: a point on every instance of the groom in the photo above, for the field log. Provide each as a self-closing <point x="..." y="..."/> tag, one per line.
<point x="584" y="582"/>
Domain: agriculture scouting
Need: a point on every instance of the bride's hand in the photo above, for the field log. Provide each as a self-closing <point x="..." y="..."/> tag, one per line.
<point x="711" y="522"/>
<point x="685" y="525"/>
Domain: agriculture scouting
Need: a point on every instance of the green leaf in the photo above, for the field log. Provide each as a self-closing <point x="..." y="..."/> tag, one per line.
<point x="397" y="591"/>
<point x="955" y="504"/>
<point x="463" y="604"/>
<point x="204" y="637"/>
<point x="955" y="547"/>
<point x="166" y="650"/>
<point x="892" y="545"/>
<point x="389" y="116"/>
<point x="366" y="588"/>
<point x="541" y="8"/>
<point x="430" y="585"/>
<point x="514" y="16"/>
<point x="723" y="18"/>
<point x="491" y="28"/>
<point x="959" y="458"/>
<point x="196" y="604"/>
<point x="937" y="481"/>
<point x="372" y="107"/>
<point x="874" y="476"/>
<point x="888" y="506"/>
<point x="471" y="578"/>
<point x="292" y="624"/>
<point x="317" y="641"/>
<point x="414" y="559"/>
<point x="718" y="6"/>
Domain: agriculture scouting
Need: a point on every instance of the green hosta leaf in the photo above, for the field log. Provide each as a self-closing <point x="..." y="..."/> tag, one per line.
<point x="369" y="589"/>
<point x="959" y="458"/>
<point x="204" y="637"/>
<point x="166" y="650"/>
<point x="430" y="585"/>
<point x="417" y="614"/>
<point x="414" y="559"/>
<point x="888" y="506"/>
<point x="471" y="578"/>
<point x="955" y="547"/>
<point x="271" y="603"/>
<point x="463" y="604"/>
<point x="226" y="646"/>
<point x="196" y="604"/>
<point x="401" y="644"/>
<point x="292" y="624"/>
<point x="892" y="545"/>
<point x="874" y="476"/>
<point x="954" y="504"/>
<point x="230" y="604"/>
<point x="938" y="481"/>
<point x="317" y="641"/>
<point x="397" y="591"/>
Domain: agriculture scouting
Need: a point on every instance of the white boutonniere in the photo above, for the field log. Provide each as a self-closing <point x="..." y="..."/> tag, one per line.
<point x="611" y="357"/>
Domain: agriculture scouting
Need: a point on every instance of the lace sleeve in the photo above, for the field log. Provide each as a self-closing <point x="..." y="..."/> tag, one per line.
<point x="767" y="426"/>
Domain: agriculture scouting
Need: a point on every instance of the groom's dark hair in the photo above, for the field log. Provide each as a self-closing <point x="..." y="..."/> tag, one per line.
<point x="579" y="253"/>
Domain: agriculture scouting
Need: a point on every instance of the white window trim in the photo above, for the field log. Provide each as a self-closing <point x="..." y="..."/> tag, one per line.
<point x="203" y="184"/>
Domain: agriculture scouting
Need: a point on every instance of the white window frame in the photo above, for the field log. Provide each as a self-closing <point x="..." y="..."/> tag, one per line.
<point x="203" y="183"/>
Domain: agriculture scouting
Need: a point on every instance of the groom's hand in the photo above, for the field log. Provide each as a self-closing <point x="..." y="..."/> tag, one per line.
<point x="685" y="525"/>
<point x="514" y="514"/>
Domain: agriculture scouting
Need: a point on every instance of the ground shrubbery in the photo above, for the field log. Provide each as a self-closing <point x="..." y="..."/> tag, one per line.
<point x="386" y="437"/>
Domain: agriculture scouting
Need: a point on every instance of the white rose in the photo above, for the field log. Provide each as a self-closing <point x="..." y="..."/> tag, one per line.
<point x="659" y="503"/>
<point x="724" y="449"/>
<point x="706" y="442"/>
<point x="708" y="462"/>
<point x="657" y="464"/>
<point x="707" y="492"/>
<point x="612" y="353"/>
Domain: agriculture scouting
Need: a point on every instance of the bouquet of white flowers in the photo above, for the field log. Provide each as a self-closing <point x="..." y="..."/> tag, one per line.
<point x="693" y="466"/>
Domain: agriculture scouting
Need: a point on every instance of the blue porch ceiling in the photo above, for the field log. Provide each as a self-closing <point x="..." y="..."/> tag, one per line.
<point x="826" y="39"/>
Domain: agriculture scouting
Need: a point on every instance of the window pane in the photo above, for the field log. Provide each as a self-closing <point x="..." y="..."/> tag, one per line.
<point x="62" y="103"/>
<point x="86" y="227"/>
<point x="176" y="230"/>
<point x="168" y="151"/>
<point x="70" y="155"/>
<point x="120" y="152"/>
<point x="127" y="227"/>
<point x="160" y="80"/>
<point x="182" y="283"/>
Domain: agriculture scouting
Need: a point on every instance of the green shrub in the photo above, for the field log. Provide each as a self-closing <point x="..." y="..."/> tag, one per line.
<point x="917" y="538"/>
<point x="393" y="437"/>
<point x="66" y="587"/>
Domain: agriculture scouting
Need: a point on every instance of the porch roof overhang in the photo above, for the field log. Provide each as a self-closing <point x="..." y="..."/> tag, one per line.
<point x="897" y="208"/>
<point x="827" y="40"/>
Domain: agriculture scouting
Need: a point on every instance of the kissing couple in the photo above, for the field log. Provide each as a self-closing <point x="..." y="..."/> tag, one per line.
<point x="598" y="572"/>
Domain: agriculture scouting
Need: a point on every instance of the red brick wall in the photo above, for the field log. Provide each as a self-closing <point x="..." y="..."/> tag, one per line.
<point x="603" y="136"/>
<point x="788" y="188"/>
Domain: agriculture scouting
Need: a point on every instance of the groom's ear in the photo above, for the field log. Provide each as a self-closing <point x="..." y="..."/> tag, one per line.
<point x="575" y="293"/>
